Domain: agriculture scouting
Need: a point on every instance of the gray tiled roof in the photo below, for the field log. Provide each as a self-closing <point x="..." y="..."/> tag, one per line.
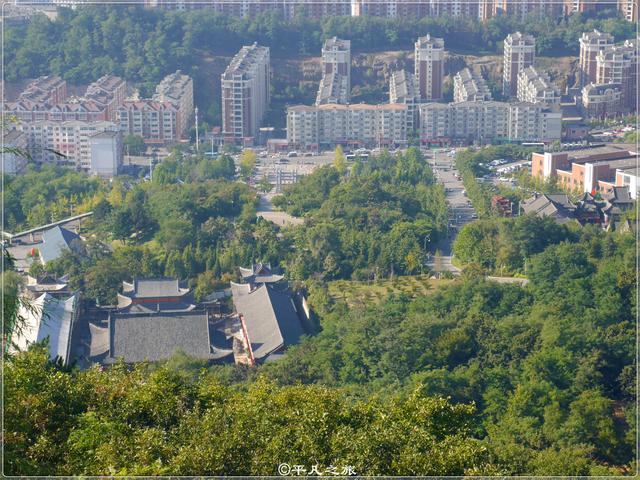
<point x="55" y="241"/>
<point x="557" y="206"/>
<point x="157" y="336"/>
<point x="270" y="317"/>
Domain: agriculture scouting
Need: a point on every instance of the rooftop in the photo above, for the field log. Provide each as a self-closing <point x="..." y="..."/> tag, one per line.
<point x="154" y="337"/>
<point x="55" y="241"/>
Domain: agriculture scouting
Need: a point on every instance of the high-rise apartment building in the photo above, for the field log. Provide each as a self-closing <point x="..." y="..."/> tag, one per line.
<point x="520" y="9"/>
<point x="592" y="43"/>
<point x="519" y="53"/>
<point x="245" y="88"/>
<point x="469" y="86"/>
<point x="629" y="8"/>
<point x="356" y="125"/>
<point x="429" y="67"/>
<point x="156" y="122"/>
<point x="403" y="89"/>
<point x="536" y="87"/>
<point x="619" y="65"/>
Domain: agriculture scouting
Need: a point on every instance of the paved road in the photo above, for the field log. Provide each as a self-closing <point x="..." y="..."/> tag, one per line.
<point x="266" y="211"/>
<point x="460" y="209"/>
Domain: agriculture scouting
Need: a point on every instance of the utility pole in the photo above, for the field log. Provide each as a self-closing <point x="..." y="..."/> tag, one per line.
<point x="197" y="134"/>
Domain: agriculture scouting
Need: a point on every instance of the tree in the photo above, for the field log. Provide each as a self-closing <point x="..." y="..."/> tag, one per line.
<point x="134" y="145"/>
<point x="339" y="160"/>
<point x="248" y="161"/>
<point x="264" y="185"/>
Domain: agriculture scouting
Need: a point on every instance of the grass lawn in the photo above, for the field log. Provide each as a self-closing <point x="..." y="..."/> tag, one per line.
<point x="355" y="293"/>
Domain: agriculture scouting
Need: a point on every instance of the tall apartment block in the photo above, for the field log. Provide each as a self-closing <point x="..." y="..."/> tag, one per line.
<point x="403" y="89"/>
<point x="334" y="88"/>
<point x="592" y="43"/>
<point x="355" y="125"/>
<point x="536" y="87"/>
<point x="520" y="9"/>
<point x="469" y="86"/>
<point x="519" y="53"/>
<point x="429" y="67"/>
<point x="245" y="88"/>
<point x="619" y="65"/>
<point x="336" y="58"/>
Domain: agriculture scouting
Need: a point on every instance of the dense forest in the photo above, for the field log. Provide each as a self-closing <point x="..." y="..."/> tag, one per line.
<point x="143" y="45"/>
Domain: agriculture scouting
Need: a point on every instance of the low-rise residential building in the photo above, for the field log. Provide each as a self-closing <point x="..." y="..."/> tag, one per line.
<point x="177" y="89"/>
<point x="334" y="88"/>
<point x="589" y="170"/>
<point x="64" y="143"/>
<point x="602" y="101"/>
<point x="468" y="86"/>
<point x="403" y="89"/>
<point x="488" y="121"/>
<point x="536" y="87"/>
<point x="359" y="124"/>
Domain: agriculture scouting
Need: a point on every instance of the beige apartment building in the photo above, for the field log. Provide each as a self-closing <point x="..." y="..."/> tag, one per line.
<point x="324" y="126"/>
<point x="468" y="86"/>
<point x="403" y="89"/>
<point x="177" y="89"/>
<point x="592" y="43"/>
<point x="536" y="87"/>
<point x="619" y="65"/>
<point x="602" y="101"/>
<point x="156" y="122"/>
<point x="245" y="86"/>
<point x="488" y="121"/>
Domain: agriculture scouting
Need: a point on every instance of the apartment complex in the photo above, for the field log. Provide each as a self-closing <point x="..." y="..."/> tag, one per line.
<point x="592" y="169"/>
<point x="46" y="99"/>
<point x="519" y="9"/>
<point x="64" y="143"/>
<point x="519" y="53"/>
<point x="335" y="85"/>
<point x="468" y="86"/>
<point x="629" y="8"/>
<point x="429" y="67"/>
<point x="355" y="125"/>
<point x="245" y="88"/>
<point x="592" y="43"/>
<point x="177" y="89"/>
<point x="619" y="65"/>
<point x="602" y="101"/>
<point x="163" y="119"/>
<point x="536" y="87"/>
<point x="488" y="121"/>
<point x="403" y="89"/>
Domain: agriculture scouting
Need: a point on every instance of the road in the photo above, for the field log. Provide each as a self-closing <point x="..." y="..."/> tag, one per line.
<point x="460" y="209"/>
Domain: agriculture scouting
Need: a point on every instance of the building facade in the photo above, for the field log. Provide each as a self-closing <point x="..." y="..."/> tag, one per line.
<point x="592" y="43"/>
<point x="177" y="89"/>
<point x="312" y="128"/>
<point x="106" y="153"/>
<point x="519" y="53"/>
<point x="429" y="67"/>
<point x="64" y="143"/>
<point x="468" y="86"/>
<point x="602" y="101"/>
<point x="619" y="65"/>
<point x="403" y="89"/>
<point x="536" y="87"/>
<point x="488" y="121"/>
<point x="245" y="86"/>
<point x="156" y="122"/>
